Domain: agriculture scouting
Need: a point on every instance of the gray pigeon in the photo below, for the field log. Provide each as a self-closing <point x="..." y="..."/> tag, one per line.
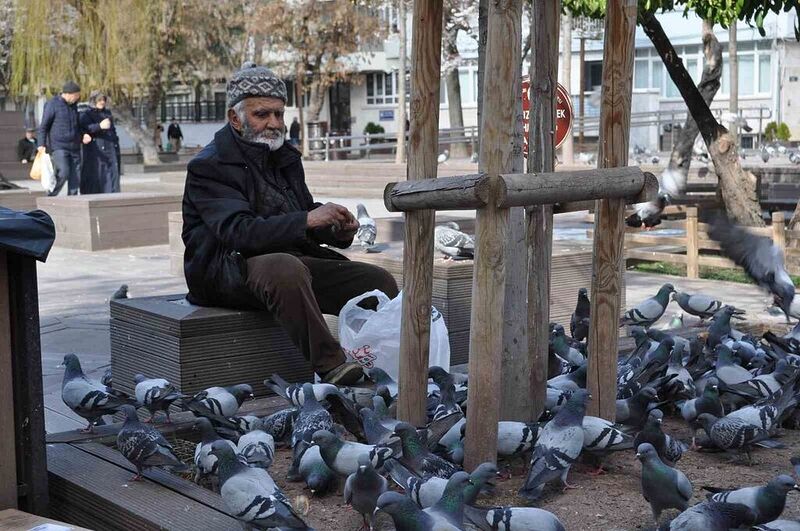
<point x="121" y="293"/>
<point x="280" y="424"/>
<point x="343" y="456"/>
<point x="681" y="387"/>
<point x="205" y="464"/>
<point x="648" y="213"/>
<point x="252" y="495"/>
<point x="367" y="230"/>
<point x="698" y="304"/>
<point x="649" y="310"/>
<point x="407" y="516"/>
<point x="633" y="411"/>
<point x="426" y="492"/>
<point x="731" y="434"/>
<point x="257" y="447"/>
<point x="708" y="403"/>
<point x="85" y="397"/>
<point x="713" y="516"/>
<point x="579" y="322"/>
<point x="318" y="476"/>
<point x="516" y="438"/>
<point x="155" y="394"/>
<point x="767" y="502"/>
<point x="362" y="490"/>
<point x="511" y="518"/>
<point x="779" y="525"/>
<point x="669" y="449"/>
<point x="219" y="401"/>
<point x="452" y="243"/>
<point x="662" y="486"/>
<point x="761" y="259"/>
<point x="144" y="446"/>
<point x="559" y="444"/>
<point x="601" y="438"/>
<point x="416" y="456"/>
<point x="294" y="392"/>
<point x="450" y="507"/>
<point x="313" y="417"/>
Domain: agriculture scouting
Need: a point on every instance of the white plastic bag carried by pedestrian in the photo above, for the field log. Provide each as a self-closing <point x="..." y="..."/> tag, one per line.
<point x="48" y="173"/>
<point x="372" y="337"/>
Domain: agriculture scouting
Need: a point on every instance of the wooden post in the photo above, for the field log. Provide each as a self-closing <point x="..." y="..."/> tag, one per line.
<point x="692" y="244"/>
<point x="400" y="123"/>
<point x="8" y="461"/>
<point x="426" y="53"/>
<point x="567" y="152"/>
<point x="541" y="158"/>
<point x="488" y="293"/>
<point x="615" y="117"/>
<point x="515" y="404"/>
<point x="779" y="230"/>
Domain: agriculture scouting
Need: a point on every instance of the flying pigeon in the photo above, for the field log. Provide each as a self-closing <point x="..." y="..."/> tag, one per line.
<point x="121" y="293"/>
<point x="252" y="495"/>
<point x="416" y="456"/>
<point x="367" y="230"/>
<point x="85" y="397"/>
<point x="362" y="490"/>
<point x="205" y="464"/>
<point x="649" y="310"/>
<point x="343" y="456"/>
<point x="649" y="212"/>
<point x="766" y="502"/>
<point x="155" y="394"/>
<point x="144" y="446"/>
<point x="219" y="401"/>
<point x="713" y="516"/>
<point x="762" y="260"/>
<point x="559" y="444"/>
<point x="257" y="447"/>
<point x="452" y="243"/>
<point x="579" y="322"/>
<point x="662" y="486"/>
<point x="669" y="449"/>
<point x="443" y="157"/>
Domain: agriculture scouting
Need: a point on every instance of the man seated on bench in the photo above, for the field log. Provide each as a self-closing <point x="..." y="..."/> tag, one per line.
<point x="253" y="233"/>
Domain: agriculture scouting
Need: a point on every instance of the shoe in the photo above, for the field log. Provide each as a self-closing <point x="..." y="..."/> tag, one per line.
<point x="347" y="373"/>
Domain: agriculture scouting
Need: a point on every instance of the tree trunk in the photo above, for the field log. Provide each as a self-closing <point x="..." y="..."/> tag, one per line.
<point x="317" y="90"/>
<point x="458" y="150"/>
<point x="738" y="187"/>
<point x="400" y="123"/>
<point x="733" y="64"/>
<point x="794" y="224"/>
<point x="299" y="95"/>
<point x="483" y="25"/>
<point x="123" y="111"/>
<point x="681" y="157"/>
<point x="567" y="151"/>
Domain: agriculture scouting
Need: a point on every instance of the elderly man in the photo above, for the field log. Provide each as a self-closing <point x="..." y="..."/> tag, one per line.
<point x="253" y="233"/>
<point x="61" y="136"/>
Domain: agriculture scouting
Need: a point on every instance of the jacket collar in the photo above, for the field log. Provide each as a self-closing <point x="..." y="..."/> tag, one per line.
<point x="229" y="149"/>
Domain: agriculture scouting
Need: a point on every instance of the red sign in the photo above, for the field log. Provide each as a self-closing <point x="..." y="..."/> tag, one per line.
<point x="564" y="114"/>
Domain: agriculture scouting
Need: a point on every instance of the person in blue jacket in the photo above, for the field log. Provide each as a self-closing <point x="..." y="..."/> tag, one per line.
<point x="60" y="136"/>
<point x="100" y="165"/>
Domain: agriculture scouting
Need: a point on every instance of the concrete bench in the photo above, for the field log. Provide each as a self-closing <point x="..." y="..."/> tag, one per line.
<point x="110" y="221"/>
<point x="197" y="347"/>
<point x="20" y="199"/>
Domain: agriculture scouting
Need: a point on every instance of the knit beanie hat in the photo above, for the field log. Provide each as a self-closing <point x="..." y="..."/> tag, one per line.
<point x="70" y="87"/>
<point x="254" y="81"/>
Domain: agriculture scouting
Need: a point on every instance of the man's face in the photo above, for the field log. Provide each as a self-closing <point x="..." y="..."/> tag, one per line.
<point x="71" y="97"/>
<point x="262" y="121"/>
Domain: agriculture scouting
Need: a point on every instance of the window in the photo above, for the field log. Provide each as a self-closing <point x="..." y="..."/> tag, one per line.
<point x="746" y="75"/>
<point x="468" y="81"/>
<point x="593" y="75"/>
<point x="641" y="74"/>
<point x="691" y="67"/>
<point x="381" y="88"/>
<point x="755" y="69"/>
<point x="658" y="69"/>
<point x="764" y="73"/>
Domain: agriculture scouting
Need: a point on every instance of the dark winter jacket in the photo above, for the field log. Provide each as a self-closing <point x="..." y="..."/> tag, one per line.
<point x="174" y="131"/>
<point x="90" y="123"/>
<point x="241" y="200"/>
<point x="59" y="128"/>
<point x="26" y="149"/>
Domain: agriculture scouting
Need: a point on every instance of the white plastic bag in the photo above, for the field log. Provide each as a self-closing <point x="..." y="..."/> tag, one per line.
<point x="372" y="338"/>
<point x="48" y="174"/>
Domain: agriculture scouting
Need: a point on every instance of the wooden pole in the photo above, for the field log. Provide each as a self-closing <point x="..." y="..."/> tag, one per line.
<point x="567" y="152"/>
<point x="426" y="52"/>
<point x="541" y="158"/>
<point x="8" y="460"/>
<point x="581" y="92"/>
<point x="692" y="244"/>
<point x="779" y="230"/>
<point x="615" y="118"/>
<point x="516" y="365"/>
<point x="400" y="123"/>
<point x="488" y="281"/>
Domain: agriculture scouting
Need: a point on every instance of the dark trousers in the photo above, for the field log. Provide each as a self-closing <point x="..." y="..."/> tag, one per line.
<point x="297" y="290"/>
<point x="67" y="166"/>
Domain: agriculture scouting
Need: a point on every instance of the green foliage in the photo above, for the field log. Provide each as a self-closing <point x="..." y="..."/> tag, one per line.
<point x="708" y="273"/>
<point x="777" y="131"/>
<point x="374" y="129"/>
<point x="783" y="132"/>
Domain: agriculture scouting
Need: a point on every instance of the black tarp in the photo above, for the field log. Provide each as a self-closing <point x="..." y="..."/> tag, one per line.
<point x="27" y="233"/>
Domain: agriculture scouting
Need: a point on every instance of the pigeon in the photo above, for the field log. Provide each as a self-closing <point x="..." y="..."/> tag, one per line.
<point x="252" y="495"/>
<point x="312" y="470"/>
<point x="559" y="344"/>
<point x="155" y="394"/>
<point x="511" y="518"/>
<point x="450" y="507"/>
<point x="313" y="417"/>
<point x="516" y="438"/>
<point x="731" y="434"/>
<point x="681" y="387"/>
<point x="376" y="433"/>
<point x="766" y="413"/>
<point x="601" y="437"/>
<point x="727" y="371"/>
<point x="762" y="260"/>
<point x="257" y="447"/>
<point x="219" y="401"/>
<point x="85" y="397"/>
<point x="558" y="446"/>
<point x="280" y="424"/>
<point x="426" y="492"/>
<point x="452" y="243"/>
<point x="708" y="403"/>
<point x="713" y="516"/>
<point x="571" y="381"/>
<point x="764" y="155"/>
<point x="367" y="230"/>
<point x="144" y="446"/>
<point x="121" y="293"/>
<point x="648" y="213"/>
<point x="205" y="464"/>
<point x="676" y="321"/>
<point x="343" y="456"/>
<point x="633" y="411"/>
<point x="767" y="503"/>
<point x="663" y="487"/>
<point x="108" y="379"/>
<point x="779" y="525"/>
<point x="721" y="327"/>
<point x="698" y="304"/>
<point x="443" y="157"/>
<point x="794" y="157"/>
<point x="407" y="516"/>
<point x="294" y="392"/>
<point x="381" y="378"/>
<point x="362" y="490"/>
<point x="579" y="322"/>
<point x="416" y="456"/>
<point x="669" y="449"/>
<point x="649" y="310"/>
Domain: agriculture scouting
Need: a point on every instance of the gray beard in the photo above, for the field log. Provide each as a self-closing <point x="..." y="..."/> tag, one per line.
<point x="264" y="137"/>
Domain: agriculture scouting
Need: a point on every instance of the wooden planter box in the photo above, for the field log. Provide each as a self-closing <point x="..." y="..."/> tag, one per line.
<point x="110" y="221"/>
<point x="22" y="199"/>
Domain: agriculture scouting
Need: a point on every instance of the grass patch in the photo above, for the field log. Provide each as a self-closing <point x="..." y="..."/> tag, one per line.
<point x="709" y="273"/>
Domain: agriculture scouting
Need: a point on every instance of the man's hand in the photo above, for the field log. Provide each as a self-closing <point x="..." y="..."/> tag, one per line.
<point x="105" y="124"/>
<point x="41" y="149"/>
<point x="348" y="230"/>
<point x="86" y="138"/>
<point x="330" y="214"/>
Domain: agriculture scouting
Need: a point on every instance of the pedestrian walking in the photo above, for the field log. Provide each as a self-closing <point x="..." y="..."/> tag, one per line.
<point x="175" y="135"/>
<point x="100" y="167"/>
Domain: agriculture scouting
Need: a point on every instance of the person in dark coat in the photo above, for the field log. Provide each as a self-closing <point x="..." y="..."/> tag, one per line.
<point x="294" y="132"/>
<point x="100" y="166"/>
<point x="253" y="233"/>
<point x="175" y="135"/>
<point x="60" y="136"/>
<point x="26" y="147"/>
